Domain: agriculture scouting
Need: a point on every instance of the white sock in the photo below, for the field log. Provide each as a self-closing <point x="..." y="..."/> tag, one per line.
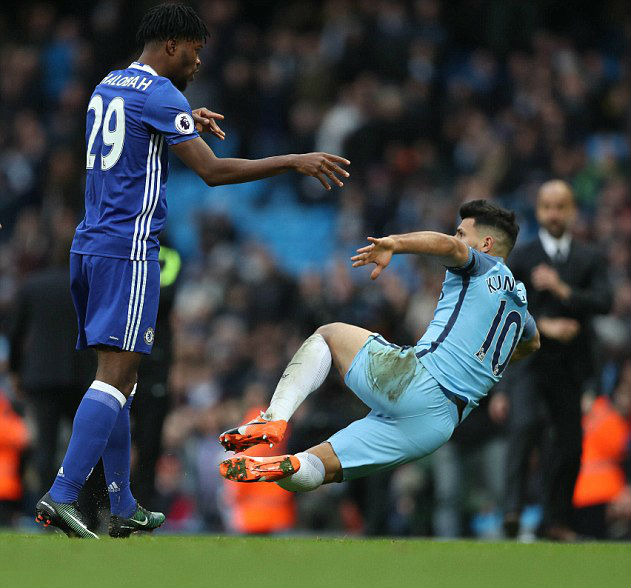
<point x="309" y="477"/>
<point x="305" y="373"/>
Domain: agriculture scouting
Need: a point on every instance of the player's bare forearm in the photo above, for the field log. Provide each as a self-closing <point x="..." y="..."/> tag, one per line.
<point x="525" y="348"/>
<point x="231" y="170"/>
<point x="216" y="171"/>
<point x="449" y="250"/>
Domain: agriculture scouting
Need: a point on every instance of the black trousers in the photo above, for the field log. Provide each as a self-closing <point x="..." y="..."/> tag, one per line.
<point x="554" y="390"/>
<point x="52" y="406"/>
<point x="148" y="411"/>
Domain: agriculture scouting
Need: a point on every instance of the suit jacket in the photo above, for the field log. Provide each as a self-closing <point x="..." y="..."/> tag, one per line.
<point x="585" y="271"/>
<point x="44" y="334"/>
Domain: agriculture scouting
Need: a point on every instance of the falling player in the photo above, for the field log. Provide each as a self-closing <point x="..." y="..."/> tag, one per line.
<point x="418" y="394"/>
<point x="115" y="274"/>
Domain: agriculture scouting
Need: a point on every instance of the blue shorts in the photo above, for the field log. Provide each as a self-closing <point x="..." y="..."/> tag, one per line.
<point x="116" y="301"/>
<point x="410" y="418"/>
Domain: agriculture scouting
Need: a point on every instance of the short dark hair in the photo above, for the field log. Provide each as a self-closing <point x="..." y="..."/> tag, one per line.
<point x="171" y="21"/>
<point x="491" y="215"/>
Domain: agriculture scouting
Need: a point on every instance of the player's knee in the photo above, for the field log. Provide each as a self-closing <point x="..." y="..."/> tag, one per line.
<point x="128" y="387"/>
<point x="328" y="331"/>
<point x="323" y="331"/>
<point x="119" y="370"/>
<point x="124" y="382"/>
<point x="124" y="386"/>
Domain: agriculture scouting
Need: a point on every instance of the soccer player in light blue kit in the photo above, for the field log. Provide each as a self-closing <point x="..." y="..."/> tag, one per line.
<point x="134" y="117"/>
<point x="419" y="394"/>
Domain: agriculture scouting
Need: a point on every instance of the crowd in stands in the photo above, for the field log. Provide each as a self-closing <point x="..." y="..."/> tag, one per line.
<point x="434" y="103"/>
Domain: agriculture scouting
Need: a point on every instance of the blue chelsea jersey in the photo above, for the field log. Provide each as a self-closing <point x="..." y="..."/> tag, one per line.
<point x="479" y="320"/>
<point x="131" y="114"/>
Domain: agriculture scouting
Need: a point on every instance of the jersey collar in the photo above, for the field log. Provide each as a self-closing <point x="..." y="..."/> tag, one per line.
<point x="143" y="67"/>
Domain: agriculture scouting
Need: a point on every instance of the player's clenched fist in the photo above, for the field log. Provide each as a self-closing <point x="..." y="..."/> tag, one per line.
<point x="322" y="166"/>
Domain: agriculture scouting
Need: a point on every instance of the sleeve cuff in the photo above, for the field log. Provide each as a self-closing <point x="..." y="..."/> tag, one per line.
<point x="181" y="139"/>
<point x="467" y="267"/>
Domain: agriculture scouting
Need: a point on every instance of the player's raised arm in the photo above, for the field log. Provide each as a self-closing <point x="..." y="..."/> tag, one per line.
<point x="216" y="171"/>
<point x="448" y="250"/>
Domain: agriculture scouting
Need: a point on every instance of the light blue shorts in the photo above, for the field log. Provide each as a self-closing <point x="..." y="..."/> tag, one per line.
<point x="410" y="418"/>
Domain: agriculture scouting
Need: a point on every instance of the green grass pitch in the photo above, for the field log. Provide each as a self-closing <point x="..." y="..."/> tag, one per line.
<point x="206" y="561"/>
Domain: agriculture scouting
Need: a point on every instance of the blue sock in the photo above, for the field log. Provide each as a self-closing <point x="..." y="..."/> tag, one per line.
<point x="91" y="429"/>
<point x="116" y="462"/>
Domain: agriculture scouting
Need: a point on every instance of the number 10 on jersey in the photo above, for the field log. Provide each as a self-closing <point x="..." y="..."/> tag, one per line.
<point x="513" y="318"/>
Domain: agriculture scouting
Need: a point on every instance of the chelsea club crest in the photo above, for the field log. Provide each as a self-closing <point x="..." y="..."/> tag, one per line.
<point x="149" y="336"/>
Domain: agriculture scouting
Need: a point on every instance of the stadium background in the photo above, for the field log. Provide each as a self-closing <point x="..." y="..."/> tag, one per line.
<point x="434" y="103"/>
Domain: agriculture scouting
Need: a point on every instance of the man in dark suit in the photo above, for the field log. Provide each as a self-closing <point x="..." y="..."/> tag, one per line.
<point x="152" y="402"/>
<point x="567" y="285"/>
<point x="44" y="364"/>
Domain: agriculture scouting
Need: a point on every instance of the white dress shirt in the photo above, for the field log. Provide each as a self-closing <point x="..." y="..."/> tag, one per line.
<point x="557" y="249"/>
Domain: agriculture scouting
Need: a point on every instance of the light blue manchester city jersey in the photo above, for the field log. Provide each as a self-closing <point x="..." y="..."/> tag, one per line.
<point x="480" y="317"/>
<point x="131" y="114"/>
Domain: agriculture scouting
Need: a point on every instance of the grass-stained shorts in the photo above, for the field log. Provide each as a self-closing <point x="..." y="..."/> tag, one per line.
<point x="411" y="416"/>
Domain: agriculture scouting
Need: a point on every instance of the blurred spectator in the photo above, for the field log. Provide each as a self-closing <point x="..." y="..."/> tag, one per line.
<point x="601" y="495"/>
<point x="43" y="360"/>
<point x="152" y="401"/>
<point x="14" y="438"/>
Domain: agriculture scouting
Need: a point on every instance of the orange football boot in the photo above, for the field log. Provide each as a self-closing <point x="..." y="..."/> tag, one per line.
<point x="247" y="468"/>
<point x="253" y="433"/>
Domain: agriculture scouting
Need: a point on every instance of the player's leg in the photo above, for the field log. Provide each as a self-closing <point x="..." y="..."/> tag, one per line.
<point x="311" y="364"/>
<point x="94" y="421"/>
<point x="117" y="463"/>
<point x="369" y="445"/>
<point x="127" y="515"/>
<point x="301" y="472"/>
<point x="100" y="291"/>
<point x="304" y="374"/>
<point x="316" y="466"/>
<point x="412" y="416"/>
<point x="98" y="409"/>
<point x="380" y="442"/>
<point x="116" y="369"/>
<point x="344" y="341"/>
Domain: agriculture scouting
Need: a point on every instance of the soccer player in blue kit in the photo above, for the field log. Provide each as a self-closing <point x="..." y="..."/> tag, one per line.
<point x="418" y="394"/>
<point x="134" y="117"/>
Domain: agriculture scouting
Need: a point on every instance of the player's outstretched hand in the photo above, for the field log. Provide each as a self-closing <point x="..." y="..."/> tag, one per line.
<point x="322" y="166"/>
<point x="378" y="252"/>
<point x="205" y="122"/>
